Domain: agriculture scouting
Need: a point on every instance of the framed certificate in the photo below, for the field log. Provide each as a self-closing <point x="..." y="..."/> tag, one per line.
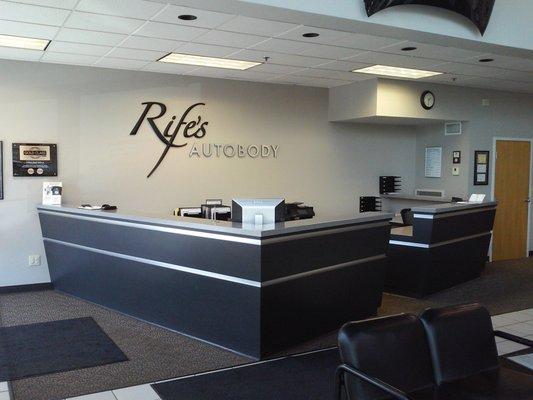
<point x="34" y="160"/>
<point x="481" y="167"/>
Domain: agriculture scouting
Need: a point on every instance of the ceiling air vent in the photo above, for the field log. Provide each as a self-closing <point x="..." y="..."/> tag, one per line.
<point x="453" y="128"/>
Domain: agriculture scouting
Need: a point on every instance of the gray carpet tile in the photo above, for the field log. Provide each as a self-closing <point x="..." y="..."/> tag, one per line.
<point x="157" y="354"/>
<point x="154" y="353"/>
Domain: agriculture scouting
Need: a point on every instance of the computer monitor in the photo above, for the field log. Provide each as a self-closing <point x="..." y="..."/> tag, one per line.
<point x="254" y="211"/>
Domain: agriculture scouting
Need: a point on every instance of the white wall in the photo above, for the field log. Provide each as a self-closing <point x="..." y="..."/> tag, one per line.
<point x="89" y="113"/>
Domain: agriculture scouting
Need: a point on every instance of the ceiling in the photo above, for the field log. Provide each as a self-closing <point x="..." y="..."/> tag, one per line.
<point x="134" y="34"/>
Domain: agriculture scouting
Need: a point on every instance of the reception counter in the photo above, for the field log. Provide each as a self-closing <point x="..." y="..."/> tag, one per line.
<point x="447" y="245"/>
<point x="253" y="291"/>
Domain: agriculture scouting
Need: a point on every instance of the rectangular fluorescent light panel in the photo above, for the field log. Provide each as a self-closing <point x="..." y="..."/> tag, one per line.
<point x="396" y="71"/>
<point x="23" y="42"/>
<point x="202" y="61"/>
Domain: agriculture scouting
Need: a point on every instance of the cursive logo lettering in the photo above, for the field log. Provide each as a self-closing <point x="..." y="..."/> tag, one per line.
<point x="193" y="128"/>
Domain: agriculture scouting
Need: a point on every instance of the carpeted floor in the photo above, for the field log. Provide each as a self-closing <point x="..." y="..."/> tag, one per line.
<point x="157" y="354"/>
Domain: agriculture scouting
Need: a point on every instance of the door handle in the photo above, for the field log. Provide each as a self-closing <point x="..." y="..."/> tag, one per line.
<point x="527" y="200"/>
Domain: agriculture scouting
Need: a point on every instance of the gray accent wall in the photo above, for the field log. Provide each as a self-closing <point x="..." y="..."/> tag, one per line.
<point x="89" y="113"/>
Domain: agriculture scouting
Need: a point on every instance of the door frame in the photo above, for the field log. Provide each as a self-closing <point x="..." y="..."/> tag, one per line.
<point x="493" y="183"/>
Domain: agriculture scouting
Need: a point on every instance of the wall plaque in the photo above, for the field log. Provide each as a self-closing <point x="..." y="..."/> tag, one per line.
<point x="34" y="160"/>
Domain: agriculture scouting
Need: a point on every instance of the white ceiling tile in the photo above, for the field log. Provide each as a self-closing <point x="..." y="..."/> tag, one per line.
<point x="66" y="4"/>
<point x="328" y="83"/>
<point x="89" y="37"/>
<point x="28" y="30"/>
<point x="20" y="54"/>
<point x="256" y="26"/>
<point x="145" y="43"/>
<point x="466" y="69"/>
<point x="33" y="14"/>
<point x="102" y="23"/>
<point x="330" y="74"/>
<point x="449" y="79"/>
<point x="365" y="42"/>
<point x="64" y="58"/>
<point x="230" y="39"/>
<point x="136" y="54"/>
<point x="121" y="63"/>
<point x="396" y="60"/>
<point x="345" y="66"/>
<point x="207" y="50"/>
<point x="284" y="46"/>
<point x="78" y="48"/>
<point x="331" y="52"/>
<point x="515" y="63"/>
<point x="513" y="75"/>
<point x="326" y="36"/>
<point x="170" y="31"/>
<point x="249" y="74"/>
<point x="168" y="68"/>
<point x="431" y="51"/>
<point x="277" y="58"/>
<point x="122" y="8"/>
<point x="276" y="69"/>
<point x="206" y="19"/>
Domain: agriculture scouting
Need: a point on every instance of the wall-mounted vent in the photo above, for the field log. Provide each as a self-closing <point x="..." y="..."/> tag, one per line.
<point x="429" y="192"/>
<point x="453" y="128"/>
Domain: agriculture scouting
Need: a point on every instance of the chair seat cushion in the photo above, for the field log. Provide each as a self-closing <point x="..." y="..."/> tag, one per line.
<point x="501" y="384"/>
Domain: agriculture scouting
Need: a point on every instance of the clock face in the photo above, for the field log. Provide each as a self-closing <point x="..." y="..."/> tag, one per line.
<point x="427" y="100"/>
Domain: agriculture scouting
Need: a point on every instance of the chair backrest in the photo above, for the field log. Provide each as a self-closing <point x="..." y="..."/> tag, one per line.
<point x="461" y="341"/>
<point x="393" y="349"/>
<point x="407" y="216"/>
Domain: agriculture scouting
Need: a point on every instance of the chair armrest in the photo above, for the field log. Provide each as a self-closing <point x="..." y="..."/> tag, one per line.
<point x="344" y="368"/>
<point x="514" y="338"/>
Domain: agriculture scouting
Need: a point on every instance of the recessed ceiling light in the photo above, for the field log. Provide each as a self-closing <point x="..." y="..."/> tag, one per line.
<point x="409" y="48"/>
<point x="23" y="42"/>
<point x="311" y="35"/>
<point x="396" y="71"/>
<point x="187" y="17"/>
<point x="202" y="61"/>
<point x="485" y="60"/>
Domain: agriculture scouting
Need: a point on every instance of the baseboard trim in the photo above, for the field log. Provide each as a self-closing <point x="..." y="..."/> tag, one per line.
<point x="26" y="288"/>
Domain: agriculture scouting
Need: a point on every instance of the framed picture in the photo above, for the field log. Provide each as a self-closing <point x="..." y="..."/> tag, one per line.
<point x="481" y="167"/>
<point x="1" y="170"/>
<point x="34" y="159"/>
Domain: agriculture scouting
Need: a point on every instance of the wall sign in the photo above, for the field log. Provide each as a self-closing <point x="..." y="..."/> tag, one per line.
<point x="194" y="129"/>
<point x="477" y="11"/>
<point x="32" y="159"/>
<point x="433" y="162"/>
<point x="1" y="170"/>
<point x="481" y="167"/>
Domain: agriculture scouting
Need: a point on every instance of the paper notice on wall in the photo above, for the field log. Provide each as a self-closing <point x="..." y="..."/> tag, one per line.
<point x="433" y="165"/>
<point x="52" y="192"/>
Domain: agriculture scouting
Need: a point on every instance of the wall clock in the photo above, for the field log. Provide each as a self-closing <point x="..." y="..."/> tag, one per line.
<point x="427" y="100"/>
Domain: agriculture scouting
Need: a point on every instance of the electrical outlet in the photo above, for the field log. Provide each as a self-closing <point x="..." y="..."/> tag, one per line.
<point x="455" y="171"/>
<point x="34" y="261"/>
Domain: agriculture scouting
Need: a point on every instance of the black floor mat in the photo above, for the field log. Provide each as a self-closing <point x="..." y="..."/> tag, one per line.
<point x="48" y="347"/>
<point x="301" y="377"/>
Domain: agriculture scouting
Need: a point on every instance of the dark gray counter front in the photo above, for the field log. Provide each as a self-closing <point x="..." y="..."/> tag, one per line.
<point x="447" y="245"/>
<point x="250" y="290"/>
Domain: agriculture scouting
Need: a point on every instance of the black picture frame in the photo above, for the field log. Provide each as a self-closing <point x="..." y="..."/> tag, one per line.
<point x="1" y="170"/>
<point x="481" y="167"/>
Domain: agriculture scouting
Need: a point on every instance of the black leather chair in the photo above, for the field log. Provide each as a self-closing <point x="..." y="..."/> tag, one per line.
<point x="465" y="358"/>
<point x="385" y="358"/>
<point x="407" y="216"/>
<point x="446" y="354"/>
